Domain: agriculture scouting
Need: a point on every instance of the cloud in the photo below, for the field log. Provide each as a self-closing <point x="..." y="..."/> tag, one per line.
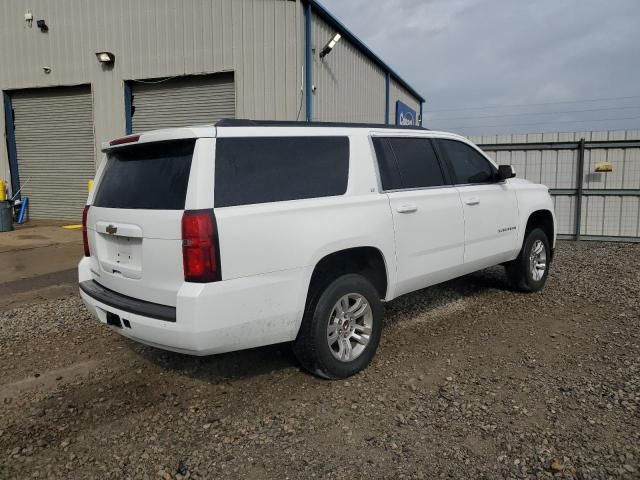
<point x="474" y="53"/>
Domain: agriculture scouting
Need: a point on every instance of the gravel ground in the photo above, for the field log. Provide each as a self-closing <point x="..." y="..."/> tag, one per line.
<point x="470" y="381"/>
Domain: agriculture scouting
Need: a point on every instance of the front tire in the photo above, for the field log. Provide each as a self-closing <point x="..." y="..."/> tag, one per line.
<point x="341" y="328"/>
<point x="529" y="272"/>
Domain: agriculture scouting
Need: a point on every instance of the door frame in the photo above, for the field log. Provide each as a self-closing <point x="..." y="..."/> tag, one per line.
<point x="10" y="127"/>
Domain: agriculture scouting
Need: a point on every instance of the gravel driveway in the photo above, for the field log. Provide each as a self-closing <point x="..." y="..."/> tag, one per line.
<point x="470" y="381"/>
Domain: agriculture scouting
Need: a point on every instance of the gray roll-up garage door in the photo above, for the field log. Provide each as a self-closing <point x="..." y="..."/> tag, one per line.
<point x="182" y="101"/>
<point x="55" y="149"/>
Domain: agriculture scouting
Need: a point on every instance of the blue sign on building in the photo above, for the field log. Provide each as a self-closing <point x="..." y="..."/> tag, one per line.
<point x="405" y="115"/>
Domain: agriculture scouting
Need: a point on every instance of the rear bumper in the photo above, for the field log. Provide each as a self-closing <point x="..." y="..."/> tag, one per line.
<point x="97" y="292"/>
<point x="208" y="318"/>
<point x="148" y="330"/>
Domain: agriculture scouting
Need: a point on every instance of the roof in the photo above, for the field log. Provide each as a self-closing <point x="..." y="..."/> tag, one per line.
<point x="323" y="13"/>
<point x="241" y="122"/>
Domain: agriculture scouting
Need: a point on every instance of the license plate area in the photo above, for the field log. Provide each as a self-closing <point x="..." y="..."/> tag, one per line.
<point x="120" y="255"/>
<point x="125" y="250"/>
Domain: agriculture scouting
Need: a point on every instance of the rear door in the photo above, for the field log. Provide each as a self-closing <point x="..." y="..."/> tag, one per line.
<point x="490" y="206"/>
<point x="134" y="222"/>
<point x="426" y="209"/>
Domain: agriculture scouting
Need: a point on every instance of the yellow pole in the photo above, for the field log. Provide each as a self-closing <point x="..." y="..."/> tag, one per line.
<point x="3" y="192"/>
<point x="90" y="185"/>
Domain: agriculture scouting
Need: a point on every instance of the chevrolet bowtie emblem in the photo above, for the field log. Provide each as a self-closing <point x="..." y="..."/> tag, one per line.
<point x="111" y="230"/>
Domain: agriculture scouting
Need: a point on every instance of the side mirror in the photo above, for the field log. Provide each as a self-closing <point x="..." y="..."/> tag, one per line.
<point x="505" y="172"/>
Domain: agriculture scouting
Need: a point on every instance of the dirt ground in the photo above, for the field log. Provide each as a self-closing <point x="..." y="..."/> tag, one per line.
<point x="37" y="249"/>
<point x="470" y="381"/>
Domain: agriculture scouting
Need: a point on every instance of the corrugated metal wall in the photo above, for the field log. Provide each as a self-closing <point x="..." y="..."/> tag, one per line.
<point x="607" y="215"/>
<point x="261" y="41"/>
<point x="398" y="92"/>
<point x="351" y="88"/>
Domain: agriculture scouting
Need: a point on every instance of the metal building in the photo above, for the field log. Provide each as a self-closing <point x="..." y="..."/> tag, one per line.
<point x="175" y="64"/>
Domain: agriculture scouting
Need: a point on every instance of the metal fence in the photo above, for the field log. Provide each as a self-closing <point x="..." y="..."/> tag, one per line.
<point x="589" y="205"/>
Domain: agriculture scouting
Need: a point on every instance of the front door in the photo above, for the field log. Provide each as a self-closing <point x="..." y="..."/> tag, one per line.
<point x="490" y="206"/>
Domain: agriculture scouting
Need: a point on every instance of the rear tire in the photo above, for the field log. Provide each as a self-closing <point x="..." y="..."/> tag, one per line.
<point x="529" y="272"/>
<point x="341" y="328"/>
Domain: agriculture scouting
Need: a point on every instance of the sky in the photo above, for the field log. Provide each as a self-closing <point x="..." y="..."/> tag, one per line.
<point x="509" y="66"/>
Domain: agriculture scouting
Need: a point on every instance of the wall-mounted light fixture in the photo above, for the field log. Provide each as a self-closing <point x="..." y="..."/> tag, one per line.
<point x="329" y="46"/>
<point x="106" y="57"/>
<point x="42" y="25"/>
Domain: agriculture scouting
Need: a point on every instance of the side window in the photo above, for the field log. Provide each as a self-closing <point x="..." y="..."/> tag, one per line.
<point x="467" y="164"/>
<point x="407" y="163"/>
<point x="273" y="169"/>
<point x="389" y="174"/>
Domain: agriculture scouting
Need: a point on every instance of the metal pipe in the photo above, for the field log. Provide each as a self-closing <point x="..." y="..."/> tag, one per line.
<point x="387" y="97"/>
<point x="618" y="192"/>
<point x="579" y="185"/>
<point x="600" y="238"/>
<point x="307" y="62"/>
<point x="501" y="147"/>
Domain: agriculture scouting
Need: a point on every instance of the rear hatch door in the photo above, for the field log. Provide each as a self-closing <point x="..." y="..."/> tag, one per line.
<point x="134" y="222"/>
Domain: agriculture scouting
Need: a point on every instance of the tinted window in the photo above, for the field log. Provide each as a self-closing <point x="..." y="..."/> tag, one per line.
<point x="467" y="164"/>
<point x="389" y="174"/>
<point x="273" y="169"/>
<point x="147" y="176"/>
<point x="407" y="163"/>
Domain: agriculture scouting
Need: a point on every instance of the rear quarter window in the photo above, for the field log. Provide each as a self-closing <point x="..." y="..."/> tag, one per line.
<point x="152" y="176"/>
<point x="254" y="170"/>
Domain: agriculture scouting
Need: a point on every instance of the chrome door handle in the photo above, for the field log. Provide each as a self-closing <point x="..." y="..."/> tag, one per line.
<point x="406" y="209"/>
<point x="472" y="201"/>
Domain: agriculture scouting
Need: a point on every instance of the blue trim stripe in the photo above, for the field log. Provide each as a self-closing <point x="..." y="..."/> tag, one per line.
<point x="128" y="113"/>
<point x="9" y="126"/>
<point x="344" y="31"/>
<point x="308" y="73"/>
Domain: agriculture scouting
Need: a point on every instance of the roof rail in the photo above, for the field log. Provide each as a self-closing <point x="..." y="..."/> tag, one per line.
<point x="242" y="122"/>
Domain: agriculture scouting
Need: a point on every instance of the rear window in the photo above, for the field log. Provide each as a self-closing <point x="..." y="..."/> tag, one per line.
<point x="273" y="169"/>
<point x="151" y="176"/>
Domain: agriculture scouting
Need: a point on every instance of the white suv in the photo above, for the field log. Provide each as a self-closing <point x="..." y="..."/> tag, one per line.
<point x="211" y="239"/>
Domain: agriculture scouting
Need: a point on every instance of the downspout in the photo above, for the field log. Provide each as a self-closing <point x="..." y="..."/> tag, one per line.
<point x="11" y="144"/>
<point x="421" y="105"/>
<point x="386" y="97"/>
<point x="307" y="62"/>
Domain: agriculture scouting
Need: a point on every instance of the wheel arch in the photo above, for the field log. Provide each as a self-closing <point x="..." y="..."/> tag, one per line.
<point x="368" y="261"/>
<point x="543" y="219"/>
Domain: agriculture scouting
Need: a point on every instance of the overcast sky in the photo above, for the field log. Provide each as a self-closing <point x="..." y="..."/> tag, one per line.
<point x="486" y="53"/>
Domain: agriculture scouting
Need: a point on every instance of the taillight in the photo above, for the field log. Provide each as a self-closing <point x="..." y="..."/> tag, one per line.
<point x="85" y="238"/>
<point x="200" y="252"/>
